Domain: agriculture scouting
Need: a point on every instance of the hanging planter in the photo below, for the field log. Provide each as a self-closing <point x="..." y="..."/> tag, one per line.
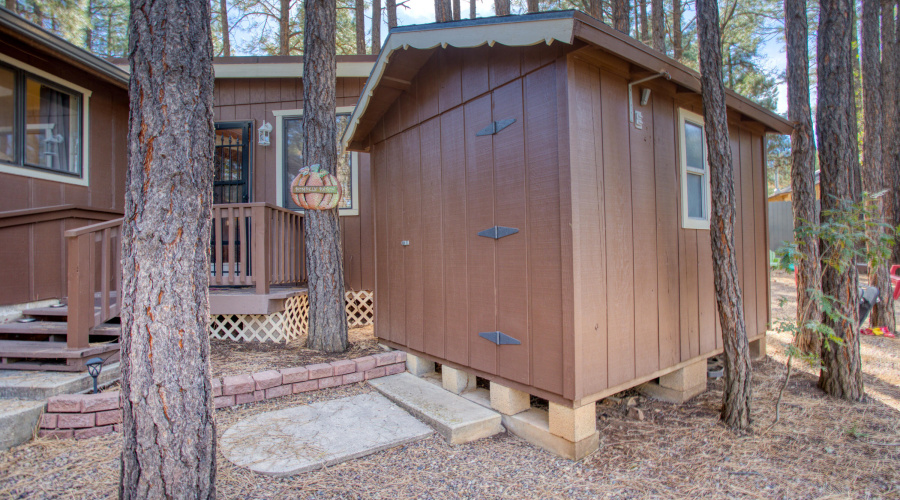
<point x="315" y="190"/>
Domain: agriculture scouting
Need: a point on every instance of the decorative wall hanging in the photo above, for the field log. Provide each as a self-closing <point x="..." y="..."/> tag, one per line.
<point x="315" y="190"/>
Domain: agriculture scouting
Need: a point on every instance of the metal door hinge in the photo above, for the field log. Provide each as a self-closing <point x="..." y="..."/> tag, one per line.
<point x="495" y="127"/>
<point x="499" y="338"/>
<point x="498" y="232"/>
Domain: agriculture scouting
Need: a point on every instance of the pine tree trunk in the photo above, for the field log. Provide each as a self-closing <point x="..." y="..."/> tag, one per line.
<point x="620" y="15"/>
<point x="376" y="26"/>
<point x="226" y="29"/>
<point x="501" y="7"/>
<point x="169" y="447"/>
<point x="645" y="25"/>
<point x="658" y="17"/>
<point x="472" y="9"/>
<point x="855" y="105"/>
<point x="88" y="31"/>
<point x="890" y="63"/>
<point x="841" y="375"/>
<point x="324" y="259"/>
<point x="534" y="6"/>
<point x="882" y="313"/>
<point x="284" y="28"/>
<point x="737" y="391"/>
<point x="443" y="11"/>
<point x="456" y="13"/>
<point x="11" y="5"/>
<point x="677" y="44"/>
<point x="803" y="177"/>
<point x="360" y="26"/>
<point x="391" y="13"/>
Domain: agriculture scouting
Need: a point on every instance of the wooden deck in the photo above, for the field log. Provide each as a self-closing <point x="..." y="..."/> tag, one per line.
<point x="245" y="300"/>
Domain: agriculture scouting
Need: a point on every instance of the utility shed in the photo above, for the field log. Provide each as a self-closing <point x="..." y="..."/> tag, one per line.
<point x="605" y="281"/>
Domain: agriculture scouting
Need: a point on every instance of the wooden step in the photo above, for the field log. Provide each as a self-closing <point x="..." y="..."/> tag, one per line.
<point x="50" y="330"/>
<point x="48" y="313"/>
<point x="55" y="356"/>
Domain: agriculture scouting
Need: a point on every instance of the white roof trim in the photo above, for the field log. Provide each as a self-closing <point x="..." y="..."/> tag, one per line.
<point x="358" y="69"/>
<point x="513" y="34"/>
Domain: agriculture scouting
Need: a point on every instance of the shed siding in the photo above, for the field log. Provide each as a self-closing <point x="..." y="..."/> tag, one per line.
<point x="439" y="184"/>
<point x="254" y="99"/>
<point x="645" y="298"/>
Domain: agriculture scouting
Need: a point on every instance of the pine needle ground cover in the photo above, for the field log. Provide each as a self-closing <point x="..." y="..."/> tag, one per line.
<point x="821" y="448"/>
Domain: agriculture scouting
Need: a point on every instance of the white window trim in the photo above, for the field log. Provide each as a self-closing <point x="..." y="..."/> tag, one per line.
<point x="280" y="115"/>
<point x="49" y="175"/>
<point x="692" y="222"/>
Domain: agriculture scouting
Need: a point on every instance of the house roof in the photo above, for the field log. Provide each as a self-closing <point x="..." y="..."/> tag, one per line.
<point x="529" y="29"/>
<point x="17" y="27"/>
<point x="355" y="66"/>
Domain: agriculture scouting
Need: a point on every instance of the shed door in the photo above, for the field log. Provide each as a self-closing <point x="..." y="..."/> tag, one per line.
<point x="497" y="268"/>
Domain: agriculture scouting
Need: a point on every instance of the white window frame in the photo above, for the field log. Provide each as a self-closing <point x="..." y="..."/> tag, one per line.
<point x="37" y="173"/>
<point x="686" y="221"/>
<point x="280" y="115"/>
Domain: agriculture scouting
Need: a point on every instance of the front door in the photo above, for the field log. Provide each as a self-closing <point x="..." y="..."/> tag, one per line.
<point x="231" y="183"/>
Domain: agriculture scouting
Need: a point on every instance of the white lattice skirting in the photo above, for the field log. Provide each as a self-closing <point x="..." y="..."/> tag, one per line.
<point x="290" y="323"/>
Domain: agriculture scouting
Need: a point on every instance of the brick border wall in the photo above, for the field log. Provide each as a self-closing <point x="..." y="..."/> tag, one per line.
<point x="82" y="416"/>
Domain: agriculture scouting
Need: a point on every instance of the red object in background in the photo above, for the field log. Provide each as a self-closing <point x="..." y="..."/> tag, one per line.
<point x="895" y="279"/>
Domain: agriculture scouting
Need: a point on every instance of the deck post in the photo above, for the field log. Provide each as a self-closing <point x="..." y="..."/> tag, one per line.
<point x="80" y="291"/>
<point x="260" y="248"/>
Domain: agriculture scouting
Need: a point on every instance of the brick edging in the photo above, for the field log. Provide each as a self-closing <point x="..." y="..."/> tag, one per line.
<point x="82" y="416"/>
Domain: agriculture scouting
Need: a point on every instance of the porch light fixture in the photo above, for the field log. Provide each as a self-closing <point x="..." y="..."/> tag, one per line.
<point x="264" y="131"/>
<point x="94" y="366"/>
<point x="645" y="95"/>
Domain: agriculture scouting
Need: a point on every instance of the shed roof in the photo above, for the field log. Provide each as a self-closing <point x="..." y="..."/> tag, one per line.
<point x="348" y="66"/>
<point x="388" y="81"/>
<point x="32" y="34"/>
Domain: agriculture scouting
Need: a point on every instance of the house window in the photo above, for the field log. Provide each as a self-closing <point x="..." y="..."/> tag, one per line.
<point x="695" y="204"/>
<point x="289" y="159"/>
<point x="42" y="120"/>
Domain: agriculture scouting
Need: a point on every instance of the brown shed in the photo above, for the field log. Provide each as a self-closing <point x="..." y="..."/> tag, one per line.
<point x="522" y="125"/>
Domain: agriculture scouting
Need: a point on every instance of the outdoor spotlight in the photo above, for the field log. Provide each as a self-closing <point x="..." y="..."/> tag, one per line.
<point x="645" y="97"/>
<point x="94" y="366"/>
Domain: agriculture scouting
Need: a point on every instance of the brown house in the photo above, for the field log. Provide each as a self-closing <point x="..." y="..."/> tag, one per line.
<point x="63" y="125"/>
<point x="542" y="210"/>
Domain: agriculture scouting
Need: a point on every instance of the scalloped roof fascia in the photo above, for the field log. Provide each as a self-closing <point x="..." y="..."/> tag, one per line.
<point x="522" y="32"/>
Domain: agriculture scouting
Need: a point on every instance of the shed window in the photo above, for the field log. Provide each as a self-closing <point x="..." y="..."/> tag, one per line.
<point x="694" y="172"/>
<point x="42" y="123"/>
<point x="289" y="126"/>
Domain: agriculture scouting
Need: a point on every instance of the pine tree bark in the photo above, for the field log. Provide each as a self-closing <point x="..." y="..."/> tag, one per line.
<point x="620" y="12"/>
<point x="534" y="6"/>
<point x="501" y="7"/>
<point x="324" y="259"/>
<point x="456" y="10"/>
<point x="169" y="448"/>
<point x="890" y="63"/>
<point x="284" y="28"/>
<point x="12" y="6"/>
<point x="226" y="29"/>
<point x="737" y="390"/>
<point x="360" y="26"/>
<point x="882" y="313"/>
<point x="658" y="18"/>
<point x="677" y="44"/>
<point x="841" y="375"/>
<point x="391" y="14"/>
<point x="443" y="11"/>
<point x="595" y="8"/>
<point x="645" y="25"/>
<point x="803" y="177"/>
<point x="376" y="26"/>
<point x="88" y="31"/>
<point x="855" y="104"/>
<point x="472" y="9"/>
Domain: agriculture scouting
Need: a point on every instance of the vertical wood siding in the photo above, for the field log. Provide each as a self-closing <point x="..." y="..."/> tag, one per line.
<point x="254" y="99"/>
<point x="601" y="285"/>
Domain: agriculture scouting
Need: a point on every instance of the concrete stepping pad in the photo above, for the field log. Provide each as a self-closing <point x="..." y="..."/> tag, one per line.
<point x="455" y="418"/>
<point x="304" y="438"/>
<point x="18" y="419"/>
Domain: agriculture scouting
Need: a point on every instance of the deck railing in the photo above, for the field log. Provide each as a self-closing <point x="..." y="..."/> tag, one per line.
<point x="255" y="244"/>
<point x="94" y="278"/>
<point x="252" y="244"/>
